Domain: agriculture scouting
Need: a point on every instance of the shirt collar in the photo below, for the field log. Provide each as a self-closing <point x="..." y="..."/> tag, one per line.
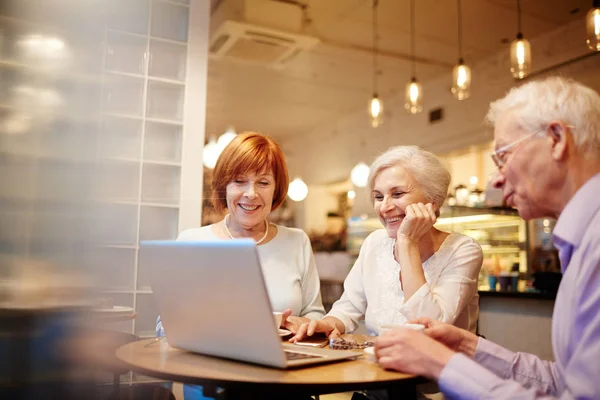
<point x="577" y="214"/>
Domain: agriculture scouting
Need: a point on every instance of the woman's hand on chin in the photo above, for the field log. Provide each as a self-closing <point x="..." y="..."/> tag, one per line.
<point x="419" y="220"/>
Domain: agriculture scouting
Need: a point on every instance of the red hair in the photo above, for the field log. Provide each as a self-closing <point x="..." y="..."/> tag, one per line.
<point x="249" y="152"/>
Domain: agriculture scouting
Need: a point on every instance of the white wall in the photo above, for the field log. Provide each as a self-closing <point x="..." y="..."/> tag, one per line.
<point x="190" y="212"/>
<point x="473" y="161"/>
<point x="318" y="203"/>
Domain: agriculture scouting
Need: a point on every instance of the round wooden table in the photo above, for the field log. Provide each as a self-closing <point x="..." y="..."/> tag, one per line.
<point x="156" y="358"/>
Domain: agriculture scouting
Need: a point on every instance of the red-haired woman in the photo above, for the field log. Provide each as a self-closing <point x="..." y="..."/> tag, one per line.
<point x="250" y="180"/>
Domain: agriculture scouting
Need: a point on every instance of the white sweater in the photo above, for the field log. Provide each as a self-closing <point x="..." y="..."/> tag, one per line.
<point x="372" y="288"/>
<point x="289" y="269"/>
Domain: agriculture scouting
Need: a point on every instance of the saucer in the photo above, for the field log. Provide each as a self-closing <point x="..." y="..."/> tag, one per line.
<point x="284" y="332"/>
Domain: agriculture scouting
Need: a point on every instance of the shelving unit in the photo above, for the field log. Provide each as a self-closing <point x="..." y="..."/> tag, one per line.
<point x="140" y="147"/>
<point x="122" y="98"/>
<point x="94" y="153"/>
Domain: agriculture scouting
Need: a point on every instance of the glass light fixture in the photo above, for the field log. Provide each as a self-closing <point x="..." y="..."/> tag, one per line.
<point x="376" y="111"/>
<point x="297" y="191"/>
<point x="375" y="104"/>
<point x="351" y="194"/>
<point x="520" y="51"/>
<point x="461" y="80"/>
<point x="210" y="153"/>
<point x="414" y="90"/>
<point x="360" y="174"/>
<point x="461" y="74"/>
<point x="593" y="26"/>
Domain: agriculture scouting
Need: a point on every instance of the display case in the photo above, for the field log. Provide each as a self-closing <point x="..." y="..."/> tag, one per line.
<point x="358" y="230"/>
<point x="501" y="232"/>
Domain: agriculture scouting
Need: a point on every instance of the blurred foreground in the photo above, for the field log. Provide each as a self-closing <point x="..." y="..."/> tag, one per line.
<point x="52" y="222"/>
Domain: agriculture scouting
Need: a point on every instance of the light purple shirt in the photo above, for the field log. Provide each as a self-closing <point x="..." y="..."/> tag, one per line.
<point x="497" y="373"/>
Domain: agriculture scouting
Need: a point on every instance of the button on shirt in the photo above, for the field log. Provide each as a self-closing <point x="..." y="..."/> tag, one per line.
<point x="496" y="372"/>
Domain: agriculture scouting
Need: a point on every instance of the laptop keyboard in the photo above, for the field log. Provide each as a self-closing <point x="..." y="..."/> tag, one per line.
<point x="292" y="355"/>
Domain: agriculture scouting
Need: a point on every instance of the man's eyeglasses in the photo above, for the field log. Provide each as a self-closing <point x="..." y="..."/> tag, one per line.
<point x="499" y="156"/>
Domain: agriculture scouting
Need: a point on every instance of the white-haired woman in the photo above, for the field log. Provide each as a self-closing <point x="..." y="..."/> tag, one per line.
<point x="409" y="269"/>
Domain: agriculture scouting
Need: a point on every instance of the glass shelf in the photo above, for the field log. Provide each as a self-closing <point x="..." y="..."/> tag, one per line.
<point x="169" y="21"/>
<point x="163" y="142"/>
<point x="117" y="224"/>
<point x="167" y="60"/>
<point x="118" y="180"/>
<point x="129" y="16"/>
<point x="160" y="184"/>
<point x="113" y="268"/>
<point x="158" y="223"/>
<point x="164" y="121"/>
<point x="123" y="94"/>
<point x="165" y="101"/>
<point x="120" y="137"/>
<point x="126" y="53"/>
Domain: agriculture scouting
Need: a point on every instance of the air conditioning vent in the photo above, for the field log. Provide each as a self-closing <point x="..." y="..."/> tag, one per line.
<point x="436" y="115"/>
<point x="256" y="44"/>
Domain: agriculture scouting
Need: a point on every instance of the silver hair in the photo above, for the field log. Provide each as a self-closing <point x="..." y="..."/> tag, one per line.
<point x="424" y="166"/>
<point x="537" y="103"/>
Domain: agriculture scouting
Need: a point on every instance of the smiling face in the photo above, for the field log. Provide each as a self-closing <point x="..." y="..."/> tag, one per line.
<point x="394" y="189"/>
<point x="250" y="198"/>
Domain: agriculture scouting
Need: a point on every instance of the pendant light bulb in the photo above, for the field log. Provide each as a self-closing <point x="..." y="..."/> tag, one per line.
<point x="210" y="153"/>
<point x="376" y="111"/>
<point x="360" y="175"/>
<point x="414" y="94"/>
<point x="461" y="74"/>
<point x="414" y="90"/>
<point x="297" y="191"/>
<point x="375" y="105"/>
<point x="593" y="27"/>
<point x="520" y="57"/>
<point x="226" y="138"/>
<point x="461" y="80"/>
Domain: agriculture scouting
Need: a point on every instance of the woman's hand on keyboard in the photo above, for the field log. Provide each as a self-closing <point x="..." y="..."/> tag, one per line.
<point x="328" y="325"/>
<point x="291" y="322"/>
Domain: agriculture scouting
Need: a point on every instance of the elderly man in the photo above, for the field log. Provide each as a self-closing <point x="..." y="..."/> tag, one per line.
<point x="547" y="137"/>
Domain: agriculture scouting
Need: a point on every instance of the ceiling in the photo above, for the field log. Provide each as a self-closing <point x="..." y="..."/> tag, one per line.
<point x="334" y="78"/>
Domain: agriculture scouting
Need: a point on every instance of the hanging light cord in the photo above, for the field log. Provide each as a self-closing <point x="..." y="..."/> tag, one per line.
<point x="460" y="51"/>
<point x="519" y="18"/>
<point x="375" y="39"/>
<point x="412" y="37"/>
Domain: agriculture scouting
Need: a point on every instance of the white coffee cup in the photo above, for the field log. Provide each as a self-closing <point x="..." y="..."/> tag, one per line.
<point x="389" y="327"/>
<point x="370" y="354"/>
<point x="277" y="316"/>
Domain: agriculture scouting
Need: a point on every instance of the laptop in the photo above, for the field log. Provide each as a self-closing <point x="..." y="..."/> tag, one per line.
<point x="212" y="300"/>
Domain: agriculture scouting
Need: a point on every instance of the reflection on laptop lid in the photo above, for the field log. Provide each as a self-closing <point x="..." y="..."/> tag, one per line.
<point x="212" y="299"/>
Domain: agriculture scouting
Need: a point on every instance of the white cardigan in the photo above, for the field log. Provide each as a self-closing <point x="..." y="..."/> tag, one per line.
<point x="372" y="288"/>
<point x="288" y="267"/>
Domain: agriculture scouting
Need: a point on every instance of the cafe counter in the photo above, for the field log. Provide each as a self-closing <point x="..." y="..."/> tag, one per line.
<point x="518" y="320"/>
